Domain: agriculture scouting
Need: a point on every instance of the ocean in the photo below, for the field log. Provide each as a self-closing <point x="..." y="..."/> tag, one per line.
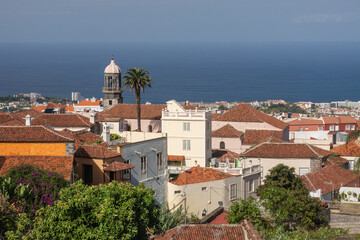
<point x="208" y="72"/>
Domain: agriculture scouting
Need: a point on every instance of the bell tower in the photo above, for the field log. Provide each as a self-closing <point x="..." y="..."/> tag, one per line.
<point x="112" y="85"/>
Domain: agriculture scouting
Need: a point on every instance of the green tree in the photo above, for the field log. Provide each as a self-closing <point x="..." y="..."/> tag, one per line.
<point x="288" y="202"/>
<point x="112" y="211"/>
<point x="137" y="79"/>
<point x="245" y="209"/>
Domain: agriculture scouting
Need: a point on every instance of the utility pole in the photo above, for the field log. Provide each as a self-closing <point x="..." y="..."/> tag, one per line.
<point x="184" y="195"/>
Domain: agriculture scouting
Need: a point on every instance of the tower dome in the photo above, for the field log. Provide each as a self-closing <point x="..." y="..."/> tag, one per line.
<point x="112" y="67"/>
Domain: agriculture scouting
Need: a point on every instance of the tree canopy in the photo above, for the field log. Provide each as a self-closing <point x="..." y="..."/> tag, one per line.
<point x="113" y="211"/>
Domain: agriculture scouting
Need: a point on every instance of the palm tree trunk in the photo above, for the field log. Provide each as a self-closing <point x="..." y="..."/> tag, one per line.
<point x="138" y="109"/>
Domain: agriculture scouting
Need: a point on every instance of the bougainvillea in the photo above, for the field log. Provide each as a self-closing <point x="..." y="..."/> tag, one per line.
<point x="44" y="187"/>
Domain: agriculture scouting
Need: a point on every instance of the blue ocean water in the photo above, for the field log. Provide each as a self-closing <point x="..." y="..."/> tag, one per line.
<point x="206" y="72"/>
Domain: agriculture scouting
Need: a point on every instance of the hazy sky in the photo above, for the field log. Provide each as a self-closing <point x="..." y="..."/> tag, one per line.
<point x="179" y="20"/>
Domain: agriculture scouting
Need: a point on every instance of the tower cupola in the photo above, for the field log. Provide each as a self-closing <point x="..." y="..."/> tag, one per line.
<point x="112" y="85"/>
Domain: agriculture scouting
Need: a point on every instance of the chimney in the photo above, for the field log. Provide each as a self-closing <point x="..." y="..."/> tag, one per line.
<point x="28" y="120"/>
<point x="93" y="117"/>
<point x="106" y="133"/>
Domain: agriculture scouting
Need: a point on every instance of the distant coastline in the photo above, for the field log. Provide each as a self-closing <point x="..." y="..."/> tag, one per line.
<point x="242" y="72"/>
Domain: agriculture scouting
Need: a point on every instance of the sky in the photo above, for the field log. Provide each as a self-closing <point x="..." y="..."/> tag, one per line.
<point x="179" y="21"/>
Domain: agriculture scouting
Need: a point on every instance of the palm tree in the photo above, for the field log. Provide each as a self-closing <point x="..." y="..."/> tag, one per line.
<point x="137" y="79"/>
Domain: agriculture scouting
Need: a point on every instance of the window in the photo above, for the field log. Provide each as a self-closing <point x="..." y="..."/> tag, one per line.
<point x="150" y="128"/>
<point x="352" y="127"/>
<point x="233" y="192"/>
<point x="186" y="145"/>
<point x="110" y="102"/>
<point x="127" y="171"/>
<point x="186" y="126"/>
<point x="337" y="128"/>
<point x="87" y="174"/>
<point x="332" y="128"/>
<point x="112" y="176"/>
<point x="306" y="128"/>
<point x="159" y="160"/>
<point x="177" y="192"/>
<point x="321" y="128"/>
<point x="347" y="127"/>
<point x="251" y="186"/>
<point x="203" y="188"/>
<point x="222" y="145"/>
<point x="300" y="129"/>
<point x="143" y="165"/>
<point x="303" y="171"/>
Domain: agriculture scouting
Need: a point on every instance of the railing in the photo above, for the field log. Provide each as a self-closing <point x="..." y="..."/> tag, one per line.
<point x="186" y="114"/>
<point x="119" y="89"/>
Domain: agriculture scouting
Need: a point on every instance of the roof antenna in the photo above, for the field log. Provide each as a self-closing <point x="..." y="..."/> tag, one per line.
<point x="112" y="57"/>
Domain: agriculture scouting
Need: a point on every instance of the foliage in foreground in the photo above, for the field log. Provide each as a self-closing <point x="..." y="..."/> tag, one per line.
<point x="43" y="187"/>
<point x="113" y="211"/>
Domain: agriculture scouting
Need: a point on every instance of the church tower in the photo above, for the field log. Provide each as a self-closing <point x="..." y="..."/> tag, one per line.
<point x="112" y="85"/>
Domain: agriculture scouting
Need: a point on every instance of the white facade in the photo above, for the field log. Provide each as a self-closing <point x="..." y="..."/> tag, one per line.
<point x="188" y="132"/>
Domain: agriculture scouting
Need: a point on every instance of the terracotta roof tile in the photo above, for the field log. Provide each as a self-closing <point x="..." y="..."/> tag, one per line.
<point x="176" y="157"/>
<point x="31" y="134"/>
<point x="1" y="113"/>
<point x="258" y="136"/>
<point x="211" y="231"/>
<point x="39" y="108"/>
<point x="69" y="108"/>
<point x="286" y="150"/>
<point x="352" y="148"/>
<point x="13" y="122"/>
<point x="245" y="113"/>
<point x="198" y="175"/>
<point x="55" y="105"/>
<point x="339" y="119"/>
<point x="220" y="219"/>
<point x="306" y="121"/>
<point x="224" y="153"/>
<point x="81" y="137"/>
<point x="227" y="131"/>
<point x="328" y="179"/>
<point x="60" y="164"/>
<point x="118" y="166"/>
<point x="22" y="114"/>
<point x="95" y="151"/>
<point x="89" y="103"/>
<point x="335" y="160"/>
<point x="62" y="120"/>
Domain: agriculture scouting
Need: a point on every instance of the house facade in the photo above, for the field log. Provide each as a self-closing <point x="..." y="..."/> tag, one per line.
<point x="188" y="133"/>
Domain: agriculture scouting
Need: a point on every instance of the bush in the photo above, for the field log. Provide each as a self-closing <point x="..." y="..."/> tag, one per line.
<point x="43" y="185"/>
<point x="245" y="209"/>
<point x="114" y="136"/>
<point x="113" y="211"/>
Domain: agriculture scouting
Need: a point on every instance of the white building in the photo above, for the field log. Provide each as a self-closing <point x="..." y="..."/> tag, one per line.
<point x="89" y="105"/>
<point x="188" y="132"/>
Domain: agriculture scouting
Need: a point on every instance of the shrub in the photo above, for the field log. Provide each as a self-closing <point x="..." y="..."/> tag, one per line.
<point x="114" y="136"/>
<point x="43" y="185"/>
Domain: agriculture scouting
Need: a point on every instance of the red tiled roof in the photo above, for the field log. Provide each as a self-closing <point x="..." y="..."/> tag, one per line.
<point x="69" y="108"/>
<point x="60" y="164"/>
<point x="62" y="120"/>
<point x="198" y="175"/>
<point x="245" y="113"/>
<point x="39" y="108"/>
<point x="220" y="219"/>
<point x="211" y="231"/>
<point x="13" y="122"/>
<point x="286" y="150"/>
<point x="306" y="121"/>
<point x="55" y="105"/>
<point x="258" y="136"/>
<point x="335" y="160"/>
<point x="214" y="116"/>
<point x="1" y="113"/>
<point x="31" y="134"/>
<point x="81" y="137"/>
<point x="352" y="148"/>
<point x="22" y="114"/>
<point x="95" y="151"/>
<point x="118" y="166"/>
<point x="339" y="119"/>
<point x="128" y="111"/>
<point x="176" y="157"/>
<point x="227" y="131"/>
<point x="89" y="103"/>
<point x="328" y="179"/>
<point x="224" y="153"/>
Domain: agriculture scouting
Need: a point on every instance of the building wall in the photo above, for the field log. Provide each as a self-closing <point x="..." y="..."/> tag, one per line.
<point x="268" y="163"/>
<point x="115" y="125"/>
<point x="74" y="129"/>
<point x="33" y="149"/>
<point x="232" y="144"/>
<point x="209" y="195"/>
<point x="199" y="136"/>
<point x="99" y="177"/>
<point x="88" y="108"/>
<point x="153" y="178"/>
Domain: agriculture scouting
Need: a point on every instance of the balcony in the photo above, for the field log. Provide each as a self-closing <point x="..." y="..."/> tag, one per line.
<point x="192" y="114"/>
<point x="118" y="89"/>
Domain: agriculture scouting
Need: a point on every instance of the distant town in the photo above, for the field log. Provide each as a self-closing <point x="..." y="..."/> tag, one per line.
<point x="201" y="163"/>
